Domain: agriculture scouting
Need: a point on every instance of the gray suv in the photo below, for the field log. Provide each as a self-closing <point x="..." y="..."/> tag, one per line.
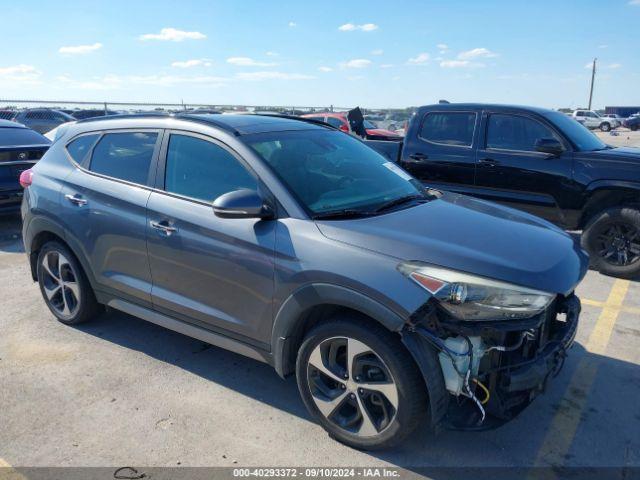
<point x="293" y="243"/>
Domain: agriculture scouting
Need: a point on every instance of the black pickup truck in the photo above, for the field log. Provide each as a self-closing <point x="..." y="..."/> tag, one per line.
<point x="537" y="160"/>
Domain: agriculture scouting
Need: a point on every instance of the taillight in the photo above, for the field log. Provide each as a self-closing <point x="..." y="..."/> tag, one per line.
<point x="26" y="177"/>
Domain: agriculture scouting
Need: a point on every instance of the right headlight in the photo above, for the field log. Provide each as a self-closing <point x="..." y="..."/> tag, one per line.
<point x="470" y="297"/>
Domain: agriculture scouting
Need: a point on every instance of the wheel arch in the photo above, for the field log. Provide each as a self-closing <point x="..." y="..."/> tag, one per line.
<point x="607" y="194"/>
<point x="43" y="230"/>
<point x="313" y="303"/>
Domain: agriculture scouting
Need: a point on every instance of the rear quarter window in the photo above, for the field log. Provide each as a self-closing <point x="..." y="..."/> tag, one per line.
<point x="449" y="128"/>
<point x="79" y="147"/>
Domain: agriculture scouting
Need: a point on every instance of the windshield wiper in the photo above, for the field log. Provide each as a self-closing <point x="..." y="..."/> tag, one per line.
<point x="342" y="213"/>
<point x="399" y="201"/>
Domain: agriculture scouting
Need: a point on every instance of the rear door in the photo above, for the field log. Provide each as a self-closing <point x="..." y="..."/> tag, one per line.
<point x="441" y="151"/>
<point x="104" y="207"/>
<point x="208" y="270"/>
<point x="512" y="172"/>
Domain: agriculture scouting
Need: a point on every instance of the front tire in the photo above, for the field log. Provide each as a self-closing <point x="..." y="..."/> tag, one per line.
<point x="612" y="239"/>
<point x="64" y="285"/>
<point x="360" y="383"/>
<point x="605" y="127"/>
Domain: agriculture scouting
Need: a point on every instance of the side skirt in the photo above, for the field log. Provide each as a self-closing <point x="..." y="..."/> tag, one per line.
<point x="189" y="330"/>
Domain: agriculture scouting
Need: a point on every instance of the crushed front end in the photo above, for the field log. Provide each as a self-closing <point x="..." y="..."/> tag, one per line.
<point x="496" y="345"/>
<point x="508" y="363"/>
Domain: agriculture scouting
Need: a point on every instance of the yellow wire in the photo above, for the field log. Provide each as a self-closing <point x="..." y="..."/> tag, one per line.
<point x="484" y="389"/>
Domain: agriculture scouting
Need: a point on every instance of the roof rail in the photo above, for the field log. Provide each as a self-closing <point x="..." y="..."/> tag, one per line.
<point x="123" y="116"/>
<point x="185" y="116"/>
<point x="300" y="119"/>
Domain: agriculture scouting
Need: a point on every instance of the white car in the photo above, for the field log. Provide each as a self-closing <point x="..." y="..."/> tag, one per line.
<point x="616" y="120"/>
<point x="591" y="119"/>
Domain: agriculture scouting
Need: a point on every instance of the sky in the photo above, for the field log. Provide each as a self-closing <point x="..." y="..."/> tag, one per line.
<point x="319" y="53"/>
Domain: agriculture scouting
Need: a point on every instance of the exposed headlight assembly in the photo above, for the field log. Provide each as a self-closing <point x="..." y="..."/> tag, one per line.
<point x="470" y="297"/>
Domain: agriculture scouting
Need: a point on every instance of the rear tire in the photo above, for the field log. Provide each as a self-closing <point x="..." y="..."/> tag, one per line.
<point x="612" y="239"/>
<point x="64" y="285"/>
<point x="363" y="370"/>
<point x="633" y="128"/>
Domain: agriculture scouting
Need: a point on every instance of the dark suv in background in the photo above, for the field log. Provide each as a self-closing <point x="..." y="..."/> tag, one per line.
<point x="537" y="160"/>
<point x="42" y="120"/>
<point x="293" y="243"/>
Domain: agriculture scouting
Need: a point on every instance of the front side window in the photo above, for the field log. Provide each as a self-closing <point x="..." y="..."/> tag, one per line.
<point x="202" y="170"/>
<point x="79" y="148"/>
<point x="328" y="171"/>
<point x="449" y="128"/>
<point x="514" y="132"/>
<point x="126" y="156"/>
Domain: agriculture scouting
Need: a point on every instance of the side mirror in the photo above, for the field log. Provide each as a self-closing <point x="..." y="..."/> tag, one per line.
<point x="549" y="145"/>
<point x="243" y="203"/>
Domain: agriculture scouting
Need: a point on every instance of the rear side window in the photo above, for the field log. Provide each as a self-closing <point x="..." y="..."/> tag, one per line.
<point x="449" y="128"/>
<point x="514" y="132"/>
<point x="126" y="156"/>
<point x="79" y="148"/>
<point x="202" y="170"/>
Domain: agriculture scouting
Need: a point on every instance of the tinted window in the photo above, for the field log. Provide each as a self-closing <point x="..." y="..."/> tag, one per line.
<point x="126" y="156"/>
<point x="202" y="170"/>
<point x="513" y="132"/>
<point x="581" y="137"/>
<point x="79" y="148"/>
<point x="335" y="122"/>
<point x="21" y="136"/>
<point x="32" y="115"/>
<point x="451" y="128"/>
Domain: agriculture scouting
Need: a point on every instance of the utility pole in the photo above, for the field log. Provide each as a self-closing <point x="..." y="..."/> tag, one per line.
<point x="593" y="76"/>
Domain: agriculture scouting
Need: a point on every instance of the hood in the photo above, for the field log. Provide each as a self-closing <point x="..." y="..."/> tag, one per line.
<point x="473" y="236"/>
<point x="624" y="154"/>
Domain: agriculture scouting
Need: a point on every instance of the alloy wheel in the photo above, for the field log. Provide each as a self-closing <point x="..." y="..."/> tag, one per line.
<point x="619" y="244"/>
<point x="352" y="387"/>
<point x="60" y="284"/>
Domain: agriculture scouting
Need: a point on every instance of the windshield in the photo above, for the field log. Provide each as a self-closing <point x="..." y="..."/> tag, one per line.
<point x="10" y="137"/>
<point x="329" y="171"/>
<point x="582" y="138"/>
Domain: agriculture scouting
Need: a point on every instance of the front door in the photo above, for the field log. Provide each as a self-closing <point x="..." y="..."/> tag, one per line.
<point x="217" y="272"/>
<point x="511" y="171"/>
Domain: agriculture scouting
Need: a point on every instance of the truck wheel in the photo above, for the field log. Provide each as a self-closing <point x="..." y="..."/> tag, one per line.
<point x="360" y="383"/>
<point x="64" y="286"/>
<point x="633" y="128"/>
<point x="612" y="239"/>
<point x="605" y="126"/>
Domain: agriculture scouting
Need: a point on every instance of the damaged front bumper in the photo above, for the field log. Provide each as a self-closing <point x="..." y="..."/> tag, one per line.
<point x="514" y="361"/>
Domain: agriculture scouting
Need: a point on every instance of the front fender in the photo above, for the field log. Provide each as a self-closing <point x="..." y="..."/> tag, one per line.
<point x="286" y="322"/>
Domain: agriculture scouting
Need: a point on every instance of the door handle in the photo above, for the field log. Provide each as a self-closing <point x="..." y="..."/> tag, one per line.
<point x="163" y="227"/>
<point x="418" y="157"/>
<point x="76" y="199"/>
<point x="489" y="162"/>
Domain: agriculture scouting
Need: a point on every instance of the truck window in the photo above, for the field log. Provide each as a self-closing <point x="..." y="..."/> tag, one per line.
<point x="449" y="128"/>
<point x="515" y="132"/>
